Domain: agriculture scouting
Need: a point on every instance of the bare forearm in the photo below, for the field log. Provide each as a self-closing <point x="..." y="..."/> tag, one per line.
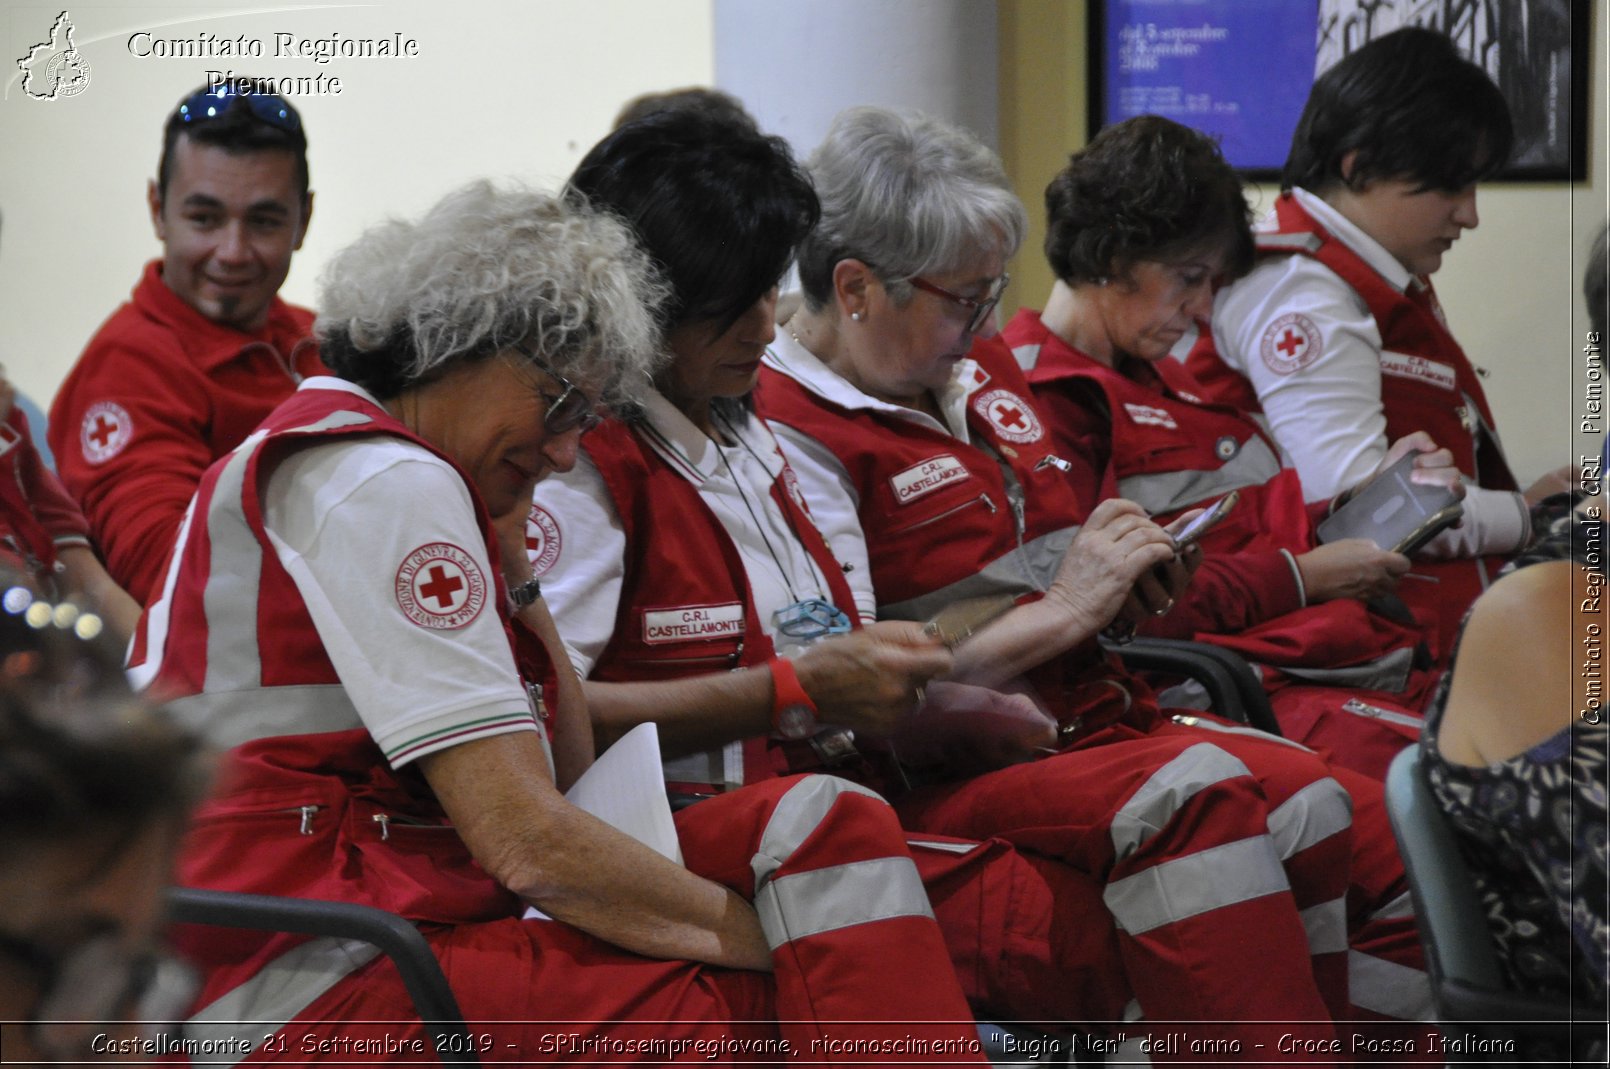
<point x="578" y="869"/>
<point x="1027" y="636"/>
<point x="619" y="890"/>
<point x="700" y="713"/>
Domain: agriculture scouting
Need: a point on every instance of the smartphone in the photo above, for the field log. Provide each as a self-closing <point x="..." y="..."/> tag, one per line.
<point x="960" y="620"/>
<point x="1394" y="512"/>
<point x="1207" y="521"/>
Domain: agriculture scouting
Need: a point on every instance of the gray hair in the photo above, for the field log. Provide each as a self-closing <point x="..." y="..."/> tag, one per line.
<point x="482" y="271"/>
<point x="908" y="195"/>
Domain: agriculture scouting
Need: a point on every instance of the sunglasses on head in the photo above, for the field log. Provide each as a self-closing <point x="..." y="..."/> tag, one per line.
<point x="568" y="410"/>
<point x="213" y="101"/>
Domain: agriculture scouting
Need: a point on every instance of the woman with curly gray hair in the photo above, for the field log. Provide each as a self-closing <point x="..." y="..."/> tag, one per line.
<point x="340" y="620"/>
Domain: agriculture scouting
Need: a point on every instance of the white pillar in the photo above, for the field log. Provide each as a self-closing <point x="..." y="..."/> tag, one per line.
<point x="797" y="63"/>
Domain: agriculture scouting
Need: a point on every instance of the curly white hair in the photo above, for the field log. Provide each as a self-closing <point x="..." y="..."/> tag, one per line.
<point x="484" y="270"/>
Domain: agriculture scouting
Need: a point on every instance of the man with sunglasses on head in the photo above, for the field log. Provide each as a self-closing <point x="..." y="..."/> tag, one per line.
<point x="205" y="348"/>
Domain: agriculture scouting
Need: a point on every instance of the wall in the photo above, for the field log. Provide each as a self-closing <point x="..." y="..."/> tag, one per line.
<point x="516" y="88"/>
<point x="798" y="63"/>
<point x="1511" y="288"/>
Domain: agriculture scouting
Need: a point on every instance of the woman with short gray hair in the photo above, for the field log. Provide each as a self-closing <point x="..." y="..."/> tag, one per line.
<point x="950" y="191"/>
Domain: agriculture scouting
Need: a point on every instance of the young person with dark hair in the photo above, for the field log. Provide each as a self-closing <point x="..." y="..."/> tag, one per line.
<point x="1336" y="335"/>
<point x="1134" y="424"/>
<point x="205" y="348"/>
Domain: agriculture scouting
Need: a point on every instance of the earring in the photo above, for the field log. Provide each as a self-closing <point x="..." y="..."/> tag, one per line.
<point x="856" y="316"/>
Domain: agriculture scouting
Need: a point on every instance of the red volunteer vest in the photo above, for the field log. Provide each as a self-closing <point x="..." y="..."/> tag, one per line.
<point x="940" y="517"/>
<point x="686" y="606"/>
<point x="1427" y="383"/>
<point x="309" y="807"/>
<point x="1172" y="451"/>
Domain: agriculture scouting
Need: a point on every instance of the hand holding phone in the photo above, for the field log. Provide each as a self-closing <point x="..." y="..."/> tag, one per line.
<point x="1188" y="535"/>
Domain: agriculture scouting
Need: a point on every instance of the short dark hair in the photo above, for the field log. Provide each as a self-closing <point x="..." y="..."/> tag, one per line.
<point x="237" y="131"/>
<point x="1412" y="108"/>
<point x="718" y="205"/>
<point x="714" y="101"/>
<point x="1145" y="189"/>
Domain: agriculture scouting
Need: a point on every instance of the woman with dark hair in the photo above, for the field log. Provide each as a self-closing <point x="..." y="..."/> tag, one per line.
<point x="1336" y="336"/>
<point x="929" y="468"/>
<point x="96" y="788"/>
<point x="341" y="618"/>
<point x="1141" y="225"/>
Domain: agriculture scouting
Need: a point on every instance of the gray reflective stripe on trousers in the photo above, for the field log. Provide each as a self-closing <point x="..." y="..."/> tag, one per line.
<point x="1326" y="925"/>
<point x="1312" y="815"/>
<point x="1166" y="791"/>
<point x="1198" y="883"/>
<point x="231" y="718"/>
<point x="1010" y="573"/>
<point x="1388" y="988"/>
<point x="837" y="896"/>
<point x="1389" y="673"/>
<point x="1237" y="729"/>
<point x="1254" y="465"/>
<point x="274" y="997"/>
<point x="1401" y="906"/>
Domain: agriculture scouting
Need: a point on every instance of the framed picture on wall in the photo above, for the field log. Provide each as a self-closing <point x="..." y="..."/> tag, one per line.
<point x="1241" y="69"/>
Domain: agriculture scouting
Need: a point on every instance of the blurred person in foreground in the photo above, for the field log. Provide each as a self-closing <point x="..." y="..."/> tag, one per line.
<point x="95" y="788"/>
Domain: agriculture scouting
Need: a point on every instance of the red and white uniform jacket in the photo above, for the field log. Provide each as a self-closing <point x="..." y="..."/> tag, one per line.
<point x="307" y="804"/>
<point x="1427" y="383"/>
<point x="990" y="516"/>
<point x="160" y="393"/>
<point x="686" y="607"/>
<point x="1153" y="440"/>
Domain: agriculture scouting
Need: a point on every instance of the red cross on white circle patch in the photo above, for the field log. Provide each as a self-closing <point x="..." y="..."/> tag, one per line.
<point x="1290" y="343"/>
<point x="440" y="586"/>
<point x="542" y="540"/>
<point x="107" y="429"/>
<point x="1011" y="417"/>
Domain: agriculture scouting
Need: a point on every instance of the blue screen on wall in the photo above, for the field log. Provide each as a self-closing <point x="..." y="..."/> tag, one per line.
<point x="1237" y="69"/>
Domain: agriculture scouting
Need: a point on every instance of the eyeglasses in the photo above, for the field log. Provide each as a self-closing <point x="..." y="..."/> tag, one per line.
<point x="981" y="308"/>
<point x="570" y="409"/>
<point x="211" y="103"/>
<point x="95" y="984"/>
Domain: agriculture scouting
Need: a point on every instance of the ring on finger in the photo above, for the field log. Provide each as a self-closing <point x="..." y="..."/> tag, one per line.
<point x="921" y="694"/>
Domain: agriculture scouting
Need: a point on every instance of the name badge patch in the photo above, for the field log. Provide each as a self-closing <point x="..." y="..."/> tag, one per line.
<point x="1404" y="366"/>
<point x="927" y="477"/>
<point x="693" y="622"/>
<point x="1152" y="417"/>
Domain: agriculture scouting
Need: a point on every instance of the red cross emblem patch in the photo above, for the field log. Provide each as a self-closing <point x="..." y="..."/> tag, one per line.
<point x="107" y="429"/>
<point x="1011" y="417"/>
<point x="542" y="540"/>
<point x="1290" y="343"/>
<point x="440" y="586"/>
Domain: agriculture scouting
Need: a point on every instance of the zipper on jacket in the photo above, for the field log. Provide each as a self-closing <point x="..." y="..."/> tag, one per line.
<point x="969" y="503"/>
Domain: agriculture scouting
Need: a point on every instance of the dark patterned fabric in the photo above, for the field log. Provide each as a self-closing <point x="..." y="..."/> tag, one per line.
<point x="1533" y="827"/>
